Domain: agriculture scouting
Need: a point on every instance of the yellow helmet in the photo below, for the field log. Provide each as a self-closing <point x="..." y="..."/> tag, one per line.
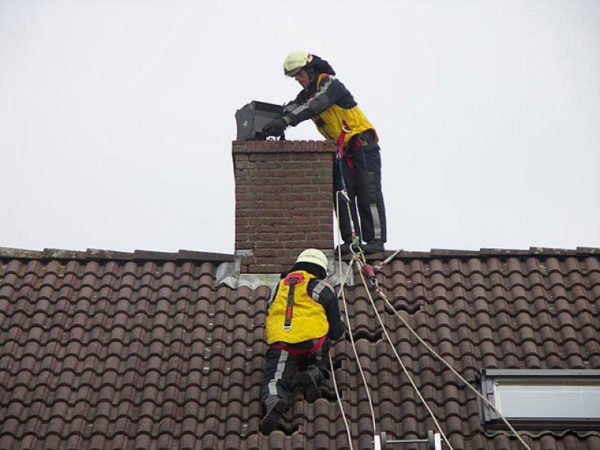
<point x="295" y="61"/>
<point x="314" y="256"/>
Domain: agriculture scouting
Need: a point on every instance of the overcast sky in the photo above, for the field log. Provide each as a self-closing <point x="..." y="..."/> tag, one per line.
<point x="117" y="116"/>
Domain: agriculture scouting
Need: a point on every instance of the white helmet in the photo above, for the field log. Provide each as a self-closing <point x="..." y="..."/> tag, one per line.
<point x="295" y="61"/>
<point x="314" y="256"/>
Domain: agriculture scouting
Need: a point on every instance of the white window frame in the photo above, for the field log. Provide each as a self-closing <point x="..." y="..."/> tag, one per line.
<point x="490" y="378"/>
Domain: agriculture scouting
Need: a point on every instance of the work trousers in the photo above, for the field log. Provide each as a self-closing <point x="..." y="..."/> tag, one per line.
<point x="361" y="172"/>
<point x="282" y="366"/>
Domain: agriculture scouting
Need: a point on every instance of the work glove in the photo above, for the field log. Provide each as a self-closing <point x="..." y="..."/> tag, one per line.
<point x="275" y="127"/>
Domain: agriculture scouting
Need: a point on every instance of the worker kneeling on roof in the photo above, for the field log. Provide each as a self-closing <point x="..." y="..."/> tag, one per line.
<point x="332" y="108"/>
<point x="303" y="315"/>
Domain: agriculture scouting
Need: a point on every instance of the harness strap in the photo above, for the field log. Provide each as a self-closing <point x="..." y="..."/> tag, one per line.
<point x="352" y="146"/>
<point x="297" y="352"/>
<point x="342" y="137"/>
<point x="287" y="325"/>
<point x="348" y="157"/>
<point x="291" y="280"/>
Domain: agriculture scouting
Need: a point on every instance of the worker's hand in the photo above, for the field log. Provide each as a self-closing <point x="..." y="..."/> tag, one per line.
<point x="275" y="127"/>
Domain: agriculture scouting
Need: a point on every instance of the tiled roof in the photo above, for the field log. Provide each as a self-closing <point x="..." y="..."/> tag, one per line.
<point x="143" y="350"/>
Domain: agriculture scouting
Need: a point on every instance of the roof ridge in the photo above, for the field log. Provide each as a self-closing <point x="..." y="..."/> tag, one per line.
<point x="485" y="252"/>
<point x="113" y="255"/>
<point x="197" y="256"/>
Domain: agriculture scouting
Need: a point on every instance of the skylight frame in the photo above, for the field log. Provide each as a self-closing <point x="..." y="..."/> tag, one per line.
<point x="491" y="378"/>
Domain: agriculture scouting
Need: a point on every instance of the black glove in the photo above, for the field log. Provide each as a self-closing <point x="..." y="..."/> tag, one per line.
<point x="275" y="127"/>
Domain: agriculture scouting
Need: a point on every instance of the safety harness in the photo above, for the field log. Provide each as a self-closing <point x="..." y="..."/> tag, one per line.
<point x="294" y="316"/>
<point x="291" y="280"/>
<point x="297" y="353"/>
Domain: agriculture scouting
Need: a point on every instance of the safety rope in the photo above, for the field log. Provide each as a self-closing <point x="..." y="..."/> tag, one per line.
<point x="360" y="368"/>
<point x="358" y="256"/>
<point x="351" y="334"/>
<point x="339" y="399"/>
<point x="339" y="156"/>
<point x="404" y="368"/>
<point x="449" y="366"/>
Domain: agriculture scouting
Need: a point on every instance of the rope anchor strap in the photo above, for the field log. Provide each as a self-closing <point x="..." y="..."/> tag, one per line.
<point x="369" y="271"/>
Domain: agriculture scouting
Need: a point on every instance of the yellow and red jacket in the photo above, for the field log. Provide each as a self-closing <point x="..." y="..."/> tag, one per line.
<point x="331" y="107"/>
<point x="302" y="308"/>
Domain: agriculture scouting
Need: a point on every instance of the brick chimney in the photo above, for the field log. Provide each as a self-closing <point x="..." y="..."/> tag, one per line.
<point x="283" y="202"/>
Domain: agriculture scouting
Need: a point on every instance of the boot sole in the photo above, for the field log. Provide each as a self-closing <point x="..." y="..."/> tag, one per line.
<point x="271" y="419"/>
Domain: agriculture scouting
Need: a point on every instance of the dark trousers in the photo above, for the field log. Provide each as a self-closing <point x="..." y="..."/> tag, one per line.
<point x="282" y="366"/>
<point x="363" y="183"/>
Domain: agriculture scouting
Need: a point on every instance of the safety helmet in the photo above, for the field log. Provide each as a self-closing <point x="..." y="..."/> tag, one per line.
<point x="314" y="256"/>
<point x="295" y="61"/>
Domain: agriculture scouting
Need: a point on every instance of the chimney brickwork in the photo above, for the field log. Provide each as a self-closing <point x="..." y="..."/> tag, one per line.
<point x="283" y="193"/>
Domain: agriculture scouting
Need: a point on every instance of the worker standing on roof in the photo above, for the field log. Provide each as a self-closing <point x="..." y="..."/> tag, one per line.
<point x="331" y="106"/>
<point x="303" y="315"/>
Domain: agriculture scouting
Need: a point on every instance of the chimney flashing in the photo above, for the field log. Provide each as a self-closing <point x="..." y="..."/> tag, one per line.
<point x="229" y="275"/>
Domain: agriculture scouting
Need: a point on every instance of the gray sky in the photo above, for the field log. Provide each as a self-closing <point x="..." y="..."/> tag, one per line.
<point x="117" y="116"/>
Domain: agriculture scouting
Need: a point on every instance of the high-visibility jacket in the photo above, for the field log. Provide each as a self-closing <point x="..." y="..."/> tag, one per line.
<point x="331" y="121"/>
<point x="294" y="316"/>
<point x="331" y="106"/>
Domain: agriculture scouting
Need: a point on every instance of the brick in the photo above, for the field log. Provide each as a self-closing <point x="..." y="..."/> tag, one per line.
<point x="283" y="201"/>
<point x="267" y="228"/>
<point x="286" y="236"/>
<point x="261" y="252"/>
<point x="271" y="188"/>
<point x="261" y="237"/>
<point x="311" y="235"/>
<point x="298" y="180"/>
<point x="242" y="237"/>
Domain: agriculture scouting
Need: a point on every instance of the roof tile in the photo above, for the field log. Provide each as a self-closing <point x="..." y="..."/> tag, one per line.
<point x="149" y="353"/>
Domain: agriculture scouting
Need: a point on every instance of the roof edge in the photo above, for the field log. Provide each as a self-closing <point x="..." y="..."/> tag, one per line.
<point x="487" y="252"/>
<point x="92" y="254"/>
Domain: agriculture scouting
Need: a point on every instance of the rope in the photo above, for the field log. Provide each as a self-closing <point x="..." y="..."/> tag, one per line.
<point x="342" y="292"/>
<point x="357" y="256"/>
<point x="337" y="393"/>
<point x="362" y="373"/>
<point x="437" y="424"/>
<point x="387" y="260"/>
<point x="355" y="351"/>
<point x="447" y="364"/>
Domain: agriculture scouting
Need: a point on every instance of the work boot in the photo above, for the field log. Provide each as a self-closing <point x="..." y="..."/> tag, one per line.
<point x="274" y="408"/>
<point x="374" y="246"/>
<point x="309" y="380"/>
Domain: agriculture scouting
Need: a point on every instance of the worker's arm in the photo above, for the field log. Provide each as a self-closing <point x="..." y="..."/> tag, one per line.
<point x="331" y="91"/>
<point x="270" y="302"/>
<point x="324" y="294"/>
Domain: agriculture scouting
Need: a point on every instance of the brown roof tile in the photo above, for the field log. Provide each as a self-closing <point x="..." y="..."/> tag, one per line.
<point x="103" y="349"/>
